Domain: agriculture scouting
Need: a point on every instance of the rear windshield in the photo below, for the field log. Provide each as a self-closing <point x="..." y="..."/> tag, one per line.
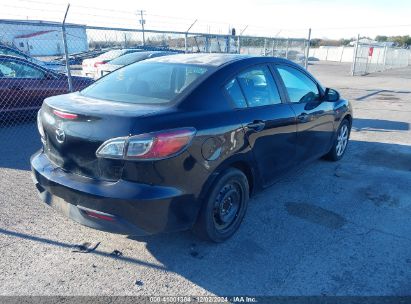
<point x="129" y="58"/>
<point x="145" y="83"/>
<point x="112" y="54"/>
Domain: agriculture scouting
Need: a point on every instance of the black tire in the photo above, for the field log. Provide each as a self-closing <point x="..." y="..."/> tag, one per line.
<point x="335" y="154"/>
<point x="224" y="207"/>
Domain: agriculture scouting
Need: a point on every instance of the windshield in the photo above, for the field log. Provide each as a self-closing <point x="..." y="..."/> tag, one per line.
<point x="145" y="83"/>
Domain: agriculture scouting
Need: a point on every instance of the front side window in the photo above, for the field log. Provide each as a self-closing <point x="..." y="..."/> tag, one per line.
<point x="299" y="86"/>
<point x="13" y="69"/>
<point x="145" y="83"/>
<point x="259" y="87"/>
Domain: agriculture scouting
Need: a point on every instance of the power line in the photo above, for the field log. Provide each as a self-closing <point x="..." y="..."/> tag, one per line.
<point x="36" y="9"/>
<point x="77" y="6"/>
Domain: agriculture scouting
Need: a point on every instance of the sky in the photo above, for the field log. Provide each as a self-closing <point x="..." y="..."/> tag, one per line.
<point x="275" y="18"/>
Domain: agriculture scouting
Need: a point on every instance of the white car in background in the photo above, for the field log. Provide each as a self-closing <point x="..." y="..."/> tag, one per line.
<point x="89" y="66"/>
<point x="127" y="59"/>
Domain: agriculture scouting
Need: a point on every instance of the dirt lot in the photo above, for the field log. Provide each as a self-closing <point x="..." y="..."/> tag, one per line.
<point x="329" y="229"/>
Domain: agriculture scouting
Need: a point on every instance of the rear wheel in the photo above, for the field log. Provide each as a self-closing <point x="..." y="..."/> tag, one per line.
<point x="340" y="144"/>
<point x="224" y="208"/>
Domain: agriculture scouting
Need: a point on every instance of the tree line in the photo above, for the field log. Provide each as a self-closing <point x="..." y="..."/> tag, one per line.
<point x="400" y="41"/>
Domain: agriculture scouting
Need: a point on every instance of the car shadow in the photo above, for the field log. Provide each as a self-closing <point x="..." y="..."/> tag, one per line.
<point x="385" y="94"/>
<point x="60" y="244"/>
<point x="379" y="125"/>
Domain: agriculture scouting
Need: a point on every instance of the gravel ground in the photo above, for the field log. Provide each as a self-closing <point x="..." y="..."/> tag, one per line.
<point x="328" y="229"/>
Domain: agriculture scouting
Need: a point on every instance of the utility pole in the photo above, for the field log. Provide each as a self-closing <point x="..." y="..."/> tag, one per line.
<point x="186" y="36"/>
<point x="142" y="22"/>
<point x="63" y="28"/>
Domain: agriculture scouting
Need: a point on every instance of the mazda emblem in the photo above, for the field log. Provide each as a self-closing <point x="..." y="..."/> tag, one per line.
<point x="60" y="135"/>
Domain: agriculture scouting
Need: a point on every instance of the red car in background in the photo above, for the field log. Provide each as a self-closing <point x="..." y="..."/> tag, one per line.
<point x="24" y="85"/>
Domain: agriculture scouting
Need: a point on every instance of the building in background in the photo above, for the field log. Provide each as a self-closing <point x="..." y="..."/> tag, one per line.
<point x="42" y="38"/>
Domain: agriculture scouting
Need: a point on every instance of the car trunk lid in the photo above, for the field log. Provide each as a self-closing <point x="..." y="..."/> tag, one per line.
<point x="75" y="126"/>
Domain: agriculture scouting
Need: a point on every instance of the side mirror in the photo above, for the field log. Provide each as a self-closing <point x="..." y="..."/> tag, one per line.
<point x="331" y="95"/>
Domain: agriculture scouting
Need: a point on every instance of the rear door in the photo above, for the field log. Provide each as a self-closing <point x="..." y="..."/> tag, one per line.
<point x="269" y="123"/>
<point x="315" y="119"/>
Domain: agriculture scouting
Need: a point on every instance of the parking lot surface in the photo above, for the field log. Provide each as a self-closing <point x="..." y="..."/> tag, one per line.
<point x="327" y="229"/>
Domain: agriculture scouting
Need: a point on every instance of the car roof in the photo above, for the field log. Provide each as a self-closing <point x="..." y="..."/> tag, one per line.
<point x="203" y="59"/>
<point x="13" y="57"/>
<point x="116" y="52"/>
<point x="144" y="53"/>
<point x="215" y="60"/>
<point x="25" y="61"/>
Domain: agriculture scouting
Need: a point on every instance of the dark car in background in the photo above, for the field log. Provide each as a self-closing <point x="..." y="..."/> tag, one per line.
<point x="127" y="59"/>
<point x="182" y="141"/>
<point x="77" y="58"/>
<point x="24" y="85"/>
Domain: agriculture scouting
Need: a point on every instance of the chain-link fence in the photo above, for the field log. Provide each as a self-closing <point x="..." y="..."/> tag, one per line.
<point x="39" y="59"/>
<point x="370" y="58"/>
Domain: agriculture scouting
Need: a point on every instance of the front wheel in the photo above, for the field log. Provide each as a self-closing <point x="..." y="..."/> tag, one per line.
<point x="224" y="208"/>
<point x="340" y="144"/>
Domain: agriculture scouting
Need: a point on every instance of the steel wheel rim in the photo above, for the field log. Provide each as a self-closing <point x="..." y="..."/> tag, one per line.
<point x="227" y="206"/>
<point x="342" y="140"/>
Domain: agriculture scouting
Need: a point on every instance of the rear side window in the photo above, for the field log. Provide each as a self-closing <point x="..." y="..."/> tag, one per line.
<point x="259" y="87"/>
<point x="234" y="91"/>
<point x="300" y="87"/>
<point x="145" y="83"/>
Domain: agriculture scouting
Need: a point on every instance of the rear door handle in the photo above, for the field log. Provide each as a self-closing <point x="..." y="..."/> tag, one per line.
<point x="257" y="125"/>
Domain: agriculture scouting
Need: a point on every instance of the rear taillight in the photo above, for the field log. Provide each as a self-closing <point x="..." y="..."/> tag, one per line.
<point x="40" y="125"/>
<point x="99" y="63"/>
<point x="65" y="115"/>
<point x="151" y="146"/>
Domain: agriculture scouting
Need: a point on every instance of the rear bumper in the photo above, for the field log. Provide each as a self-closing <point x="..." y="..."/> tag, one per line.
<point x="121" y="207"/>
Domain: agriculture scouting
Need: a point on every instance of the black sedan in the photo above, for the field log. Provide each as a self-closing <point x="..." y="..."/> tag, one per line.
<point x="183" y="141"/>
